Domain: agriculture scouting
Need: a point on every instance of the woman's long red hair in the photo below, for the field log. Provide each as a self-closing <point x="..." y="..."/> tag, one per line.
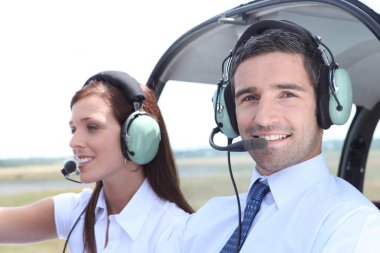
<point x="161" y="172"/>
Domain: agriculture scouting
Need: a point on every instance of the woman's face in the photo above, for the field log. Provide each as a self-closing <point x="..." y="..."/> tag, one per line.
<point x="96" y="139"/>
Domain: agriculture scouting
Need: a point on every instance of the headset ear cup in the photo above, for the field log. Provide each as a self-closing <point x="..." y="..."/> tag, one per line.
<point x="323" y="99"/>
<point x="222" y="115"/>
<point x="140" y="138"/>
<point x="343" y="92"/>
<point x="229" y="101"/>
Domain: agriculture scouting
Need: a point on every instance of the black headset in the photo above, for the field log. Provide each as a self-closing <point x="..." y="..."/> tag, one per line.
<point x="140" y="133"/>
<point x="334" y="91"/>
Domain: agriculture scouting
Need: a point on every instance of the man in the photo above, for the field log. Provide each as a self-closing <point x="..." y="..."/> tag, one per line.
<point x="279" y="78"/>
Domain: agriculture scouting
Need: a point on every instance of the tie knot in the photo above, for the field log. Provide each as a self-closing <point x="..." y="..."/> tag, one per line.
<point x="258" y="190"/>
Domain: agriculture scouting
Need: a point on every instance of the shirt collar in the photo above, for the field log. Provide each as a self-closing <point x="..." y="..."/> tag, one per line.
<point x="101" y="206"/>
<point x="135" y="213"/>
<point x="289" y="182"/>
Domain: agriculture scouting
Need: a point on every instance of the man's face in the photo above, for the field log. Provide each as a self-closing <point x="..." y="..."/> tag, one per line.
<point x="275" y="100"/>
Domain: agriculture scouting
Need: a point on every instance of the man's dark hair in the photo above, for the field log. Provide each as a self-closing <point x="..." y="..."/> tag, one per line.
<point x="280" y="40"/>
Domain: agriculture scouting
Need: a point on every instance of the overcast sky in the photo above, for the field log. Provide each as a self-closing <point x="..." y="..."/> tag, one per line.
<point x="48" y="49"/>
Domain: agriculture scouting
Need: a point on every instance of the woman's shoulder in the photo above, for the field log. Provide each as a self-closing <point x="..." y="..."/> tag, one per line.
<point x="147" y="197"/>
<point x="72" y="200"/>
<point x="68" y="208"/>
<point x="167" y="207"/>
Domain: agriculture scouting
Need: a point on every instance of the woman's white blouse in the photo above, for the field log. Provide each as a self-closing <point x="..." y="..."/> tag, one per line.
<point x="144" y="225"/>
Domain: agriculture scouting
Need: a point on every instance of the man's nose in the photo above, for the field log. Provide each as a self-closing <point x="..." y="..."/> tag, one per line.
<point x="266" y="112"/>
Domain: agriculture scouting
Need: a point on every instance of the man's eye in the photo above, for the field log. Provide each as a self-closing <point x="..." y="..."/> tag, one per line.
<point x="250" y="98"/>
<point x="289" y="94"/>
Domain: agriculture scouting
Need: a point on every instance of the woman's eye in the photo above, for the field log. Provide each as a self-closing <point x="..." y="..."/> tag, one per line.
<point x="92" y="127"/>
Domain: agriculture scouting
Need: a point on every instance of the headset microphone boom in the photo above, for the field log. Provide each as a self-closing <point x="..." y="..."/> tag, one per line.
<point x="240" y="146"/>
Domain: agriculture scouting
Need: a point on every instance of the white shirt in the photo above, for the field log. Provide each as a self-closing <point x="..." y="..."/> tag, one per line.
<point x="307" y="210"/>
<point x="144" y="225"/>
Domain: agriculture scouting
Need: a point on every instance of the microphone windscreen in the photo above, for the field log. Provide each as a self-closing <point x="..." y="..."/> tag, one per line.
<point x="69" y="167"/>
<point x="256" y="143"/>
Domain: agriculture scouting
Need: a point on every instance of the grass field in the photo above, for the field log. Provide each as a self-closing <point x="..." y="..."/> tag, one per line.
<point x="201" y="179"/>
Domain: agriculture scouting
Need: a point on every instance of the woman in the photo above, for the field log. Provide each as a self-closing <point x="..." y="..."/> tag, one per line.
<point x="136" y="203"/>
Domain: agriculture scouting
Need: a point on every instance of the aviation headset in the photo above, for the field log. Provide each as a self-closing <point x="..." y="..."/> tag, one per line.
<point x="140" y="132"/>
<point x="334" y="91"/>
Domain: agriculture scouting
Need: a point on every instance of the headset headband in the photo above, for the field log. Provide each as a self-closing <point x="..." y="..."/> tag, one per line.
<point x="264" y="25"/>
<point x="117" y="78"/>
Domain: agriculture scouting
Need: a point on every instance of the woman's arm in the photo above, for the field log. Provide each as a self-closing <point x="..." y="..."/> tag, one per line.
<point x="31" y="223"/>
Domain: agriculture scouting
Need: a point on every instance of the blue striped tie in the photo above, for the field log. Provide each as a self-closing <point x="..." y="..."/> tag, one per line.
<point x="254" y="199"/>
